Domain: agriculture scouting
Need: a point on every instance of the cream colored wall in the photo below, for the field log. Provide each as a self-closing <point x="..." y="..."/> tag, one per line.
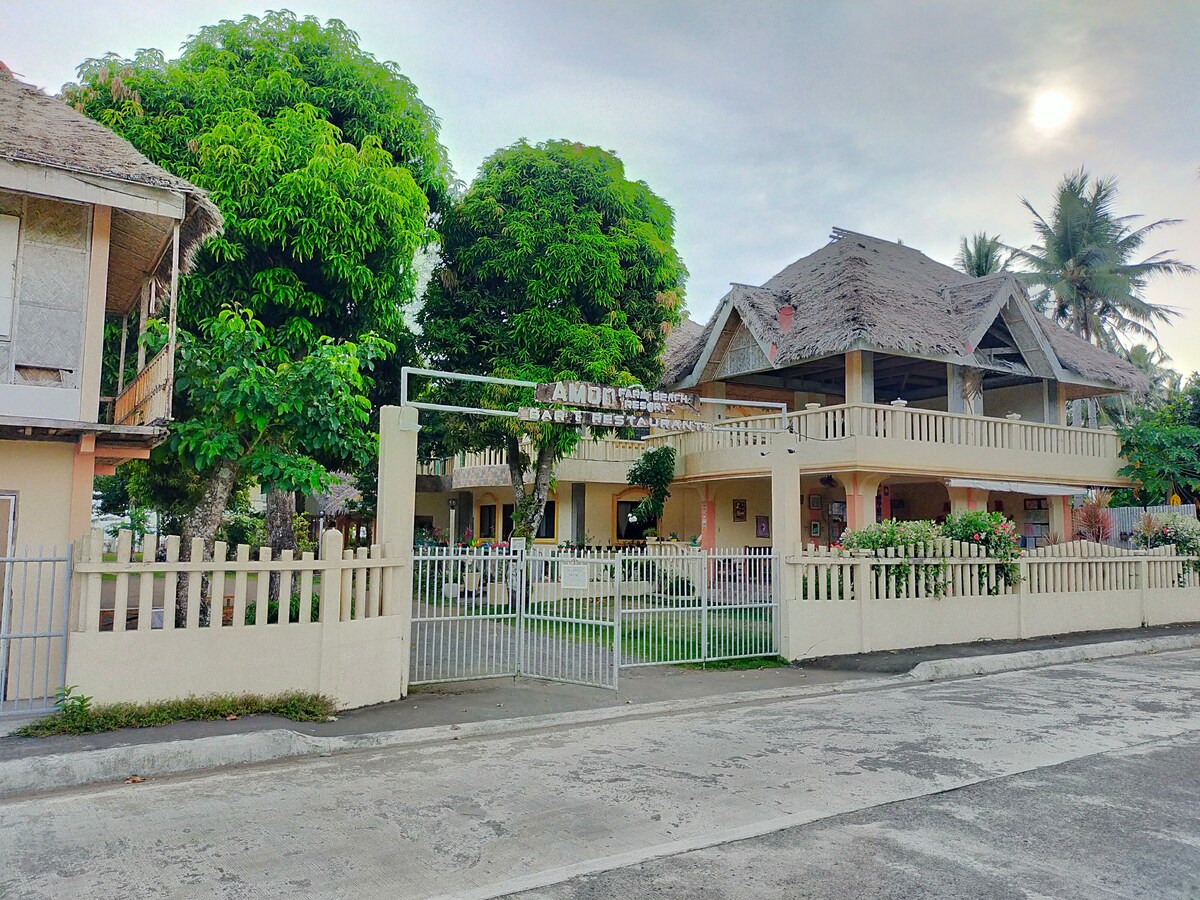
<point x="40" y="473"/>
<point x="924" y="500"/>
<point x="435" y="505"/>
<point x="1026" y="399"/>
<point x="757" y="494"/>
<point x="357" y="663"/>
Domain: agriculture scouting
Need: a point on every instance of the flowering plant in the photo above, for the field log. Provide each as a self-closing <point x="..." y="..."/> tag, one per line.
<point x="996" y="534"/>
<point x="1174" y="529"/>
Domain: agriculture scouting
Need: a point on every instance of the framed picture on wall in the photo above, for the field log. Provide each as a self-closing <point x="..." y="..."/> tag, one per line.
<point x="1031" y="503"/>
<point x="762" y="526"/>
<point x="739" y="510"/>
<point x="814" y="501"/>
<point x="814" y="529"/>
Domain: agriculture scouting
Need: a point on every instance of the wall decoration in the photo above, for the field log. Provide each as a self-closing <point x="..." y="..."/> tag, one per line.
<point x="762" y="526"/>
<point x="814" y="529"/>
<point x="739" y="510"/>
<point x="814" y="501"/>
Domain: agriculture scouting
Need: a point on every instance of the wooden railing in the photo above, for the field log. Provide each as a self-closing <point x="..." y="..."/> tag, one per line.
<point x="147" y="399"/>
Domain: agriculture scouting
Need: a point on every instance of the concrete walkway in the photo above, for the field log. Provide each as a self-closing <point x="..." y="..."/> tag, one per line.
<point x="482" y="817"/>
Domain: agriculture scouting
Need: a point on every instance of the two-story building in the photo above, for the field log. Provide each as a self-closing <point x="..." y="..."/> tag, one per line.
<point x="90" y="232"/>
<point x="910" y="390"/>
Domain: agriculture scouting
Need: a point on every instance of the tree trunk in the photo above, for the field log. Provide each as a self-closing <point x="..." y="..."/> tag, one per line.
<point x="281" y="533"/>
<point x="203" y="522"/>
<point x="530" y="506"/>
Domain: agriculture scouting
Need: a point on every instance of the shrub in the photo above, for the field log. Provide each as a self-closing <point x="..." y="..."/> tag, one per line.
<point x="917" y="536"/>
<point x="1092" y="521"/>
<point x="1170" y="529"/>
<point x="654" y="471"/>
<point x="996" y="534"/>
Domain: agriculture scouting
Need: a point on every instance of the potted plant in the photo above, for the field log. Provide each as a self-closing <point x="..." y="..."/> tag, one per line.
<point x="651" y="535"/>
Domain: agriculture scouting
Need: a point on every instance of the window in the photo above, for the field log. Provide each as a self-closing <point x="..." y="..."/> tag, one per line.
<point x="10" y="226"/>
<point x="487" y="521"/>
<point x="627" y="530"/>
<point x="548" y="528"/>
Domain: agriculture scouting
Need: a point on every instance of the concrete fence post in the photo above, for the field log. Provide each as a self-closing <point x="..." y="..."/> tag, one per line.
<point x="331" y="579"/>
<point x="1142" y="577"/>
<point x="862" y="594"/>
<point x="1020" y="594"/>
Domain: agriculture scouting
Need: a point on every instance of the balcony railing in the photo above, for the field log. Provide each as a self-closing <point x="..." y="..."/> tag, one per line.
<point x="147" y="399"/>
<point x="953" y="429"/>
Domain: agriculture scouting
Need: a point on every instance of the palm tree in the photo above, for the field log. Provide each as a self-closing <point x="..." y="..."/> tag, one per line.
<point x="1083" y="265"/>
<point x="981" y="255"/>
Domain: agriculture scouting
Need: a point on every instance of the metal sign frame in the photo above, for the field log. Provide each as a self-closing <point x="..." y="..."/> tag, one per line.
<point x="406" y="371"/>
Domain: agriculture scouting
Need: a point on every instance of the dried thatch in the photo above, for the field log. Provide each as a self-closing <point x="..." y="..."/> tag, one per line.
<point x="44" y="131"/>
<point x="680" y="352"/>
<point x="860" y="291"/>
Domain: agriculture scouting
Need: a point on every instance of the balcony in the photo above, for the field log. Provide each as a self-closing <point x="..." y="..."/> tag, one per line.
<point x="147" y="399"/>
<point x="903" y="440"/>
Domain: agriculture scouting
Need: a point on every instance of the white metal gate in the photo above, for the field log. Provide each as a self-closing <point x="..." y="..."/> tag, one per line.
<point x="35" y="591"/>
<point x="580" y="615"/>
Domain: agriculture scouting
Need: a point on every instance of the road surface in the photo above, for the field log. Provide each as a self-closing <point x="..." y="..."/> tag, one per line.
<point x="1072" y="781"/>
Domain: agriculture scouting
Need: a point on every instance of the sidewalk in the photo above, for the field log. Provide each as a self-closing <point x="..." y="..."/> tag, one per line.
<point x="437" y="713"/>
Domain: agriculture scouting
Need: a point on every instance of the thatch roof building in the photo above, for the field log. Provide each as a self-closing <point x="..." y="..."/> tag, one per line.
<point x="862" y="293"/>
<point x="42" y="131"/>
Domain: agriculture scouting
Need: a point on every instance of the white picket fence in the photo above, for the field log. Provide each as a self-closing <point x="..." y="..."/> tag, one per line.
<point x="334" y="623"/>
<point x="861" y="601"/>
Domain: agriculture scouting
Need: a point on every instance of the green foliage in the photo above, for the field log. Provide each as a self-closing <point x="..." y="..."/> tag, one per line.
<point x="1162" y="447"/>
<point x="1170" y="529"/>
<point x="892" y="533"/>
<point x="996" y="534"/>
<point x="1084" y="265"/>
<point x="654" y="471"/>
<point x="982" y="254"/>
<point x="293" y="610"/>
<point x="555" y="266"/>
<point x="78" y="716"/>
<point x="114" y="494"/>
<point x="327" y="169"/>
<point x="251" y="407"/>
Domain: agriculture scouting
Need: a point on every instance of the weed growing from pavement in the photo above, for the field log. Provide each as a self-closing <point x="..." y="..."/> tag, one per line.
<point x="76" y="715"/>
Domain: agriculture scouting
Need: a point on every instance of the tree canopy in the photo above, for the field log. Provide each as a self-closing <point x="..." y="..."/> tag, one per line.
<point x="326" y="166"/>
<point x="1084" y="267"/>
<point x="1162" y="446"/>
<point x="555" y="266"/>
<point x="253" y="410"/>
<point x="981" y="254"/>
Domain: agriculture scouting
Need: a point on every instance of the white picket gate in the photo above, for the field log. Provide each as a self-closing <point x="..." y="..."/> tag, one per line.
<point x="580" y="615"/>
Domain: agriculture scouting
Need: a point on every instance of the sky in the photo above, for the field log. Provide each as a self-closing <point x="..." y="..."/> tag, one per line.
<point x="765" y="124"/>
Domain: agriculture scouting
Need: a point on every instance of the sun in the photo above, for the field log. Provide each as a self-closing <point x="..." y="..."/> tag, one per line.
<point x="1051" y="110"/>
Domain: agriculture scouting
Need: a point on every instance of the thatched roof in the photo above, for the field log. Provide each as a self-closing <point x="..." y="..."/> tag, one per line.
<point x="678" y="355"/>
<point x="860" y="292"/>
<point x="42" y="130"/>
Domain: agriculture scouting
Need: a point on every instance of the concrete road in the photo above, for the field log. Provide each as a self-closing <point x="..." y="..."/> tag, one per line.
<point x="1118" y="824"/>
<point x="1042" y="758"/>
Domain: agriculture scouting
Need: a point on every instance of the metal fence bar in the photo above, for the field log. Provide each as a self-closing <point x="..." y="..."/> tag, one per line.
<point x="34" y="606"/>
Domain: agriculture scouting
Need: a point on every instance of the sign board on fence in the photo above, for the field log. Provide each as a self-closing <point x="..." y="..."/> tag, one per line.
<point x="608" y="419"/>
<point x="573" y="576"/>
<point x="516" y="544"/>
<point x="636" y="400"/>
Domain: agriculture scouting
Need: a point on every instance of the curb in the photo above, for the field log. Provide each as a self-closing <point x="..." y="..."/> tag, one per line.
<point x="39" y="774"/>
<point x="966" y="666"/>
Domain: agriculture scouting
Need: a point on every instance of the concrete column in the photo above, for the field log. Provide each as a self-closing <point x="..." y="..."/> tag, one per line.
<point x="860" y="376"/>
<point x="965" y="499"/>
<point x="708" y="521"/>
<point x="398" y="429"/>
<point x="788" y="540"/>
<point x="83" y="476"/>
<point x="1060" y="517"/>
<point x="861" y="488"/>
